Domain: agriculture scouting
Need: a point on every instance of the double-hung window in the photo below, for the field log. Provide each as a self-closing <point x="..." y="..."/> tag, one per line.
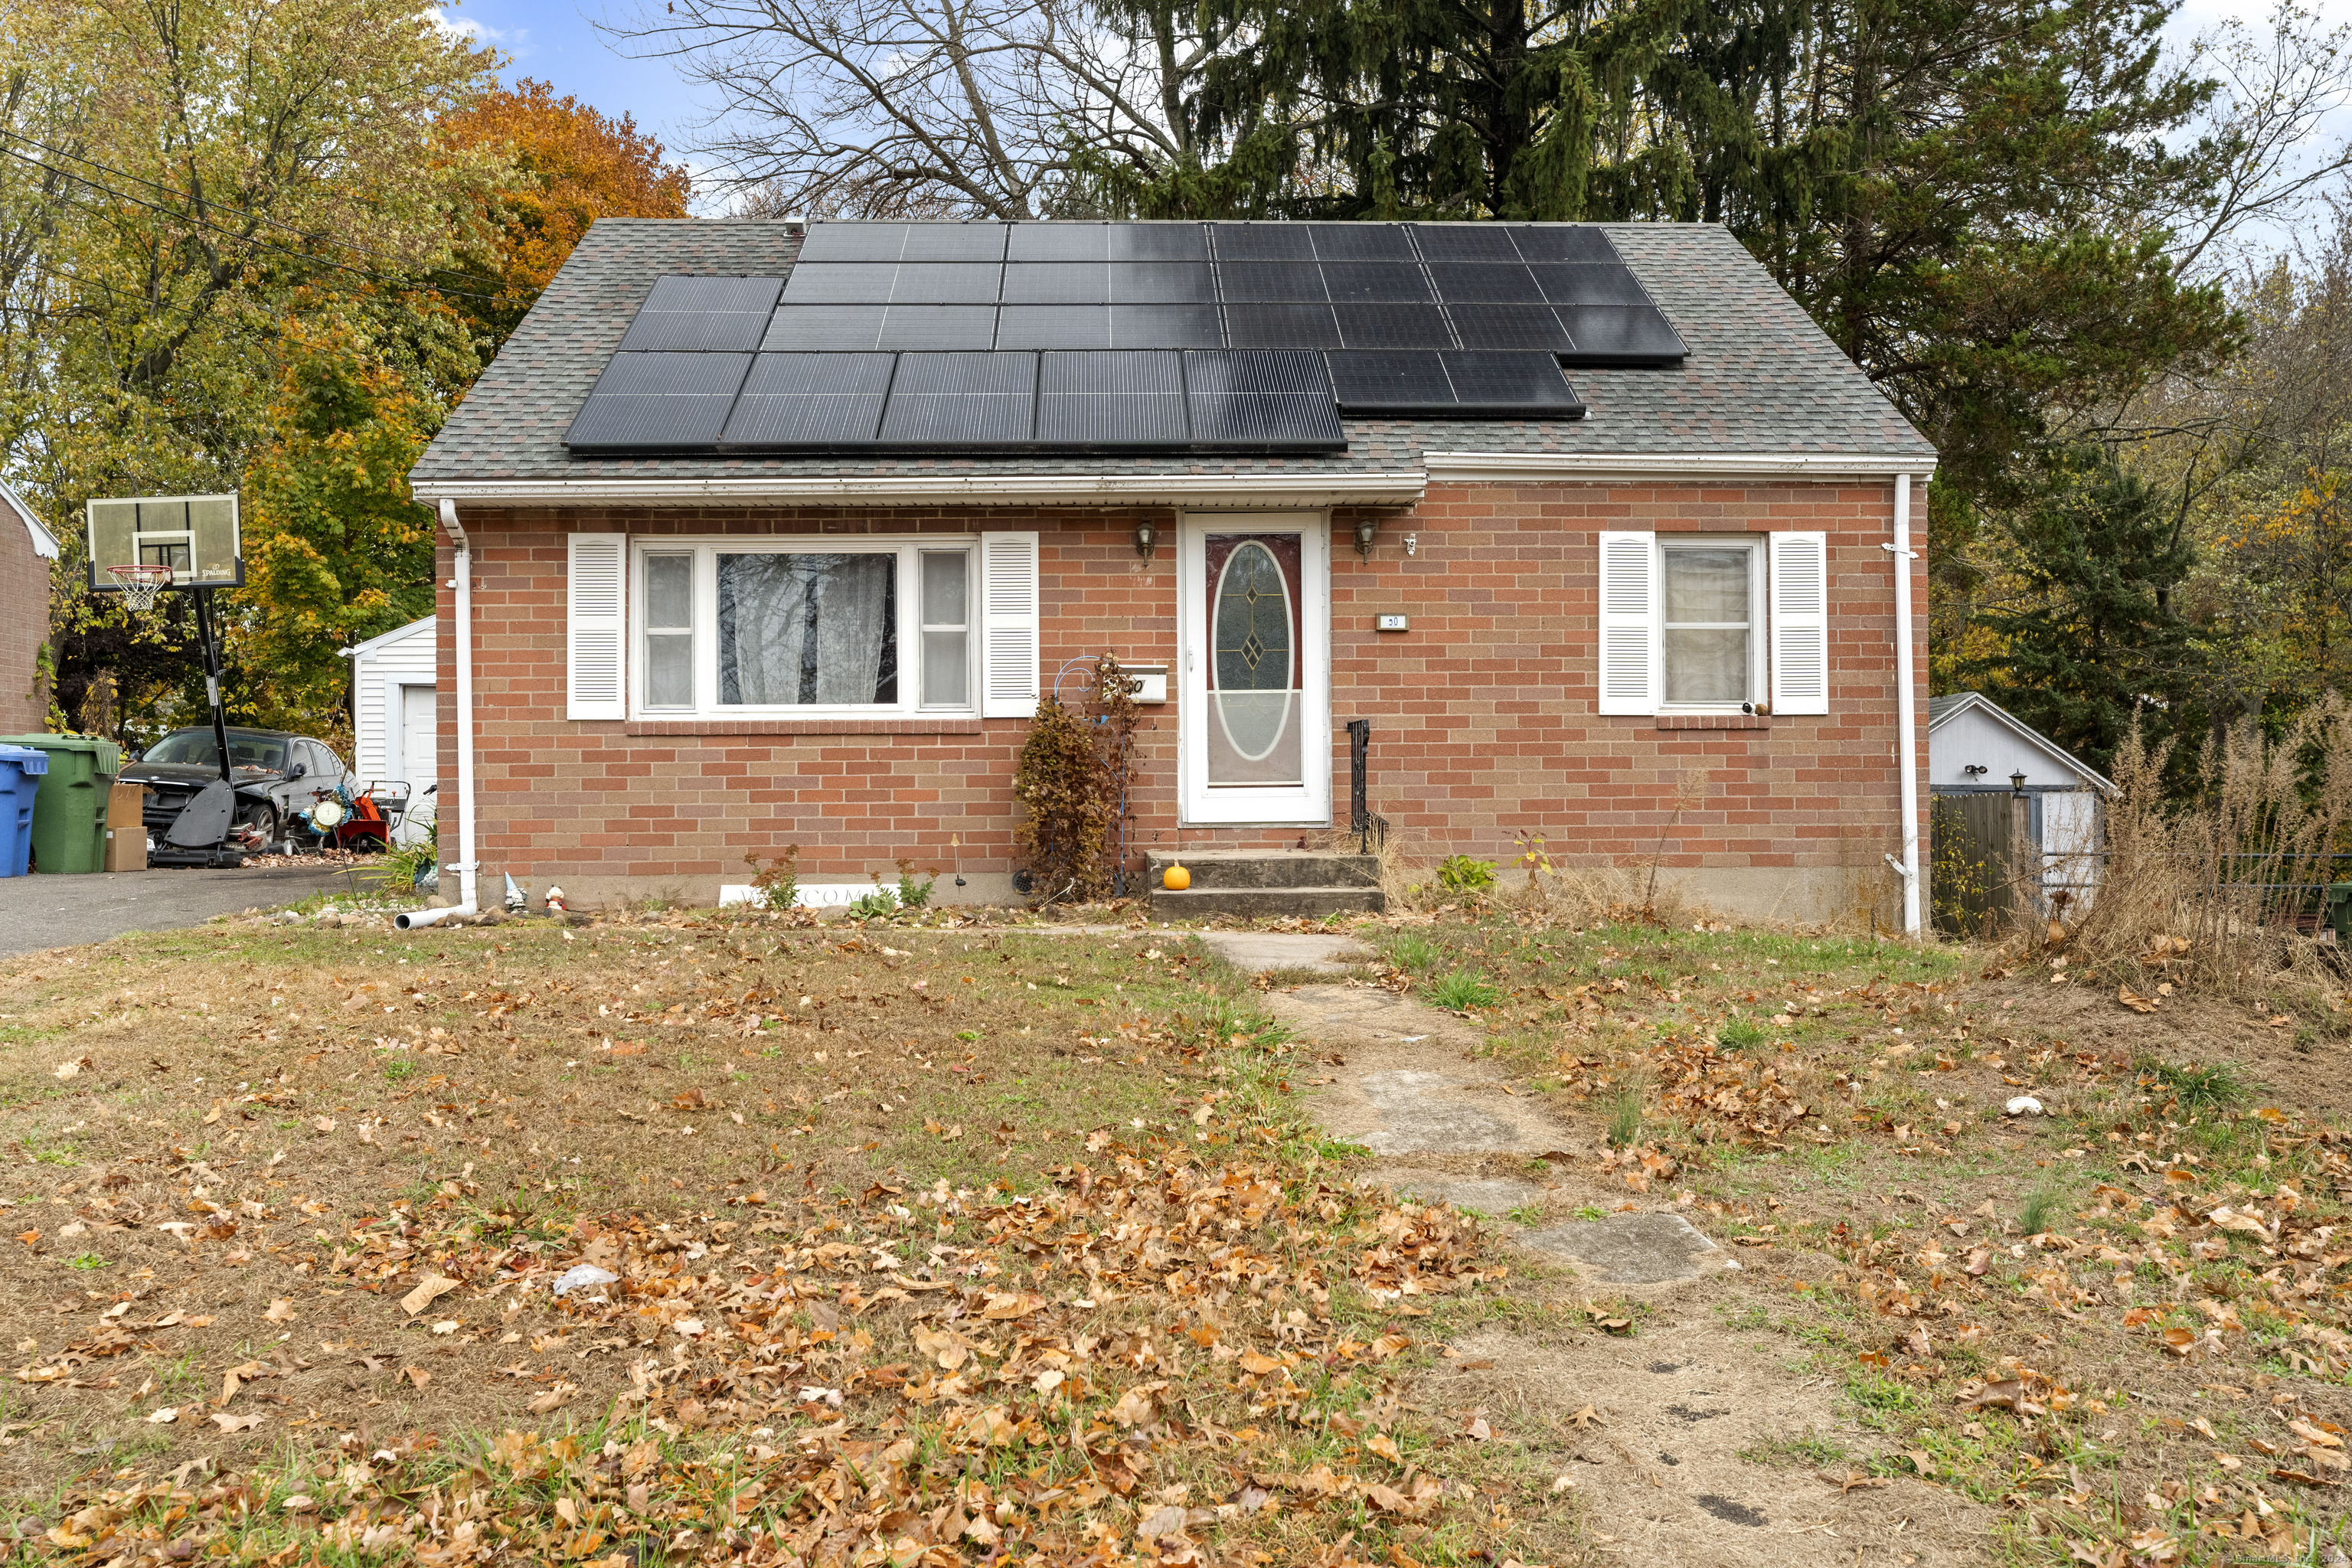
<point x="751" y="626"/>
<point x="1697" y="624"/>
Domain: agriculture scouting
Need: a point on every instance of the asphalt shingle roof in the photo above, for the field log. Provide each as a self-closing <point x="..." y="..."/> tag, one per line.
<point x="1761" y="378"/>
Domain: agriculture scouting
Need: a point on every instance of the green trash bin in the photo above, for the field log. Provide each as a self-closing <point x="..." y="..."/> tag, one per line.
<point x="69" y="812"/>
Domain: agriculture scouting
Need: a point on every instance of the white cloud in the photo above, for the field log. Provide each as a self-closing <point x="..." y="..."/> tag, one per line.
<point x="476" y="32"/>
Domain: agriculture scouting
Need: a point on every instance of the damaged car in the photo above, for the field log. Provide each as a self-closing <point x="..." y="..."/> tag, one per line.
<point x="278" y="777"/>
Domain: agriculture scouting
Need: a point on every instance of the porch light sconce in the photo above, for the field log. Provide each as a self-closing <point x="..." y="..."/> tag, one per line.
<point x="1366" y="531"/>
<point x="1147" y="540"/>
<point x="2017" y="784"/>
<point x="1974" y="770"/>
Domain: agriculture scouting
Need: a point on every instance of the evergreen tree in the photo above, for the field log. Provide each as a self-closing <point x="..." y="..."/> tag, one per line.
<point x="2089" y="636"/>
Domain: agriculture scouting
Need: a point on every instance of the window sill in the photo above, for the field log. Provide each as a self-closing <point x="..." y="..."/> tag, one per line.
<point x="849" y="724"/>
<point x="1714" y="722"/>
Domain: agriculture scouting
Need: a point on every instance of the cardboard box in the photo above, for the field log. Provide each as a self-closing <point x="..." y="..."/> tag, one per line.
<point x="126" y="829"/>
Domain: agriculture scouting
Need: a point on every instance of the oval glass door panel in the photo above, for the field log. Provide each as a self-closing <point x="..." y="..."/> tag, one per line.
<point x="1255" y="659"/>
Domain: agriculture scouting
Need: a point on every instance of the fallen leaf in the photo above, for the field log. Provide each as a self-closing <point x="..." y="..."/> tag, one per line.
<point x="435" y="1287"/>
<point x="282" y="1310"/>
<point x="417" y="1374"/>
<point x="228" y="1422"/>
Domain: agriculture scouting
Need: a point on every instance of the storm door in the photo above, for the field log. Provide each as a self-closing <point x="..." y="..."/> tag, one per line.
<point x="1255" y="711"/>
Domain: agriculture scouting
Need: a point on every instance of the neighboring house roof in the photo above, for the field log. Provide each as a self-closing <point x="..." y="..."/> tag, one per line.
<point x="1762" y="386"/>
<point x="44" y="543"/>
<point x="423" y="626"/>
<point x="1943" y="709"/>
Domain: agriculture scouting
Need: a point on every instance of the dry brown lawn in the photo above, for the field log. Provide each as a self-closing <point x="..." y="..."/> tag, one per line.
<point x="925" y="1242"/>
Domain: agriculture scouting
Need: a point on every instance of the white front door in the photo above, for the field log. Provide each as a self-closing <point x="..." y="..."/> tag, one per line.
<point x="1254" y="710"/>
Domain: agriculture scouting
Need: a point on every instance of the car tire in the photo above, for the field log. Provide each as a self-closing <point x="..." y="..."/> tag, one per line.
<point x="260" y="824"/>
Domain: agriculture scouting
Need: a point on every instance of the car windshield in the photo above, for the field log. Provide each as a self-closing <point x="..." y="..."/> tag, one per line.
<point x="195" y="749"/>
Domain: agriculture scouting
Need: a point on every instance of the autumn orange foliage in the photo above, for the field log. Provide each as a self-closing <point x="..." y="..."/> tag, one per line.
<point x="576" y="164"/>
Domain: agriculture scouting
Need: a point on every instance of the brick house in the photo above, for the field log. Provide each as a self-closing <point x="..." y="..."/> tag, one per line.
<point x="27" y="548"/>
<point x="793" y="562"/>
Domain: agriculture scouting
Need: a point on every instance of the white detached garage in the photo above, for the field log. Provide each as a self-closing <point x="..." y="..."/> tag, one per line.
<point x="395" y="716"/>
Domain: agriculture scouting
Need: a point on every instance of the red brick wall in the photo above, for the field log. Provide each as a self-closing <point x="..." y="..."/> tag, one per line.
<point x="24" y="628"/>
<point x="1483" y="712"/>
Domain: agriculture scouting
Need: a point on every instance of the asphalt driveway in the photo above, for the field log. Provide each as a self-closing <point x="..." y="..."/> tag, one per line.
<point x="37" y="911"/>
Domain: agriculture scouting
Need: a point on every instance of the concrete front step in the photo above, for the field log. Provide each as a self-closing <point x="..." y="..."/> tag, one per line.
<point x="1236" y="869"/>
<point x="1198" y="902"/>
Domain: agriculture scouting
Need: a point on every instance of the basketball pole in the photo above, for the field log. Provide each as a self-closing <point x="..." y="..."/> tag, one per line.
<point x="203" y="597"/>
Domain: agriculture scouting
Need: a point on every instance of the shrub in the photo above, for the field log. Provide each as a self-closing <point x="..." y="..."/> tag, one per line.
<point x="777" y="881"/>
<point x="1461" y="874"/>
<point x="1073" y="779"/>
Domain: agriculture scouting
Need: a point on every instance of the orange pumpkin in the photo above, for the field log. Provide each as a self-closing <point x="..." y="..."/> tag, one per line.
<point x="1175" y="879"/>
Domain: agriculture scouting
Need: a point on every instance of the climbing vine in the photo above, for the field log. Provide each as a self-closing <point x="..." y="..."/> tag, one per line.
<point x="1074" y="777"/>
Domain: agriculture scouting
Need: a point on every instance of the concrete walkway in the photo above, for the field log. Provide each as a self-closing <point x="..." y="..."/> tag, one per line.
<point x="37" y="912"/>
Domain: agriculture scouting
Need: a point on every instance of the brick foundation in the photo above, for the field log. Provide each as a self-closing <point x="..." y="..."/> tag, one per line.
<point x="1483" y="712"/>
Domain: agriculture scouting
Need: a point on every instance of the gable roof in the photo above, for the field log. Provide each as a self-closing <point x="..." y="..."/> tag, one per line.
<point x="1942" y="709"/>
<point x="1762" y="389"/>
<point x="421" y="627"/>
<point x="44" y="543"/>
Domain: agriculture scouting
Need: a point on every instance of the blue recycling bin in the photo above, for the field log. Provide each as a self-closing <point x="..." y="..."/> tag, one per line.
<point x="21" y="772"/>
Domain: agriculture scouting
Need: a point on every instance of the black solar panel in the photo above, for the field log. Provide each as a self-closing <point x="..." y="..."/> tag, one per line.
<point x="825" y="327"/>
<point x="1510" y="383"/>
<point x="946" y="283"/>
<point x="1059" y="242"/>
<point x="938" y="327"/>
<point x="647" y="401"/>
<point x="1375" y="282"/>
<point x="1263" y="242"/>
<point x="1562" y="242"/>
<point x="1506" y="282"/>
<point x="704" y="313"/>
<point x="1054" y="327"/>
<point x="811" y="400"/>
<point x="1158" y="242"/>
<point x="1464" y="242"/>
<point x="1393" y="327"/>
<point x="1508" y="327"/>
<point x="1588" y="283"/>
<point x="1361" y="242"/>
<point x="1159" y="282"/>
<point x="1165" y="327"/>
<point x="1282" y="326"/>
<point x="954" y="242"/>
<point x="1110" y="400"/>
<point x="1057" y="283"/>
<point x="1393" y="383"/>
<point x="1262" y="399"/>
<point x="1270" y="282"/>
<point x="962" y="399"/>
<point x="841" y="283"/>
<point x="853" y="242"/>
<point x="1620" y="334"/>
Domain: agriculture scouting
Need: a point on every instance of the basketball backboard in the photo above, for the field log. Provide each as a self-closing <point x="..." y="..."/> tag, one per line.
<point x="195" y="536"/>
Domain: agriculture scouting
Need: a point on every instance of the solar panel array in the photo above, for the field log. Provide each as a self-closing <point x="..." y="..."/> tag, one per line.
<point x="1111" y="336"/>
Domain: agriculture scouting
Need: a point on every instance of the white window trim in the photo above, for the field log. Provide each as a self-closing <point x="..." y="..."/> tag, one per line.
<point x="705" y="551"/>
<point x="1758" y="629"/>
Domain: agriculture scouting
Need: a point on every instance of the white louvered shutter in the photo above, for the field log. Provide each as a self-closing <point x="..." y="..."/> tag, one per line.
<point x="1801" y="623"/>
<point x="1629" y="622"/>
<point x="1008" y="626"/>
<point x="593" y="626"/>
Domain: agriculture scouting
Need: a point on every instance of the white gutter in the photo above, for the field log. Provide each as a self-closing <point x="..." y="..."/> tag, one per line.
<point x="1907" y="720"/>
<point x="1664" y="464"/>
<point x="465" y="863"/>
<point x="1259" y="490"/>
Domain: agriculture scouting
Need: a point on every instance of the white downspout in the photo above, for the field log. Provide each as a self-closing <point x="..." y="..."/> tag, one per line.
<point x="1906" y="724"/>
<point x="465" y="864"/>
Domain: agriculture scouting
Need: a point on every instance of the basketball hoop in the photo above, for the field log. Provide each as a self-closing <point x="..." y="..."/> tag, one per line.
<point x="140" y="584"/>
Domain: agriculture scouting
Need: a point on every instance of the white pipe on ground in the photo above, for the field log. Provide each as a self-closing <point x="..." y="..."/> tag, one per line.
<point x="1907" y="724"/>
<point x="415" y="918"/>
<point x="465" y="864"/>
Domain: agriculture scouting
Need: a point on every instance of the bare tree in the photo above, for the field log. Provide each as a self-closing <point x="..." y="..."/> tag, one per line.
<point x="930" y="107"/>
